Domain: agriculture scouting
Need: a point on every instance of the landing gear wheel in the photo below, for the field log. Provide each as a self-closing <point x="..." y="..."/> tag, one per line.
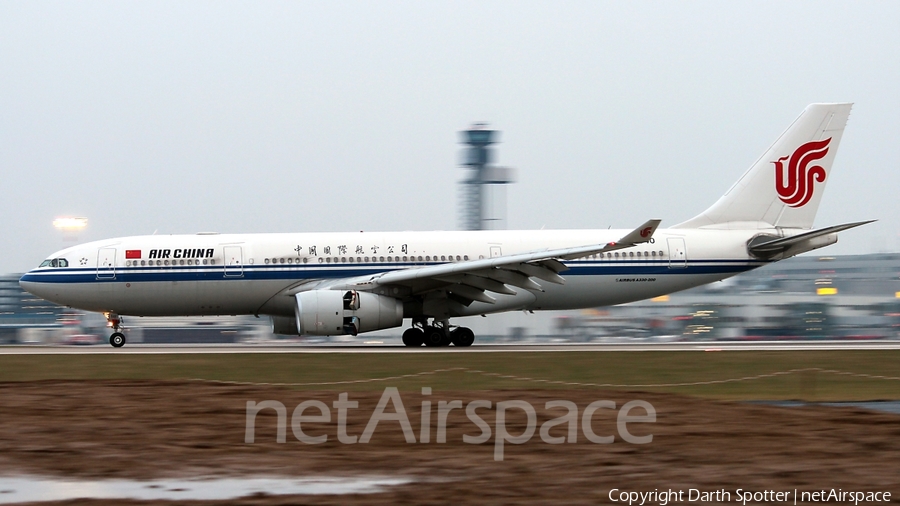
<point x="413" y="337"/>
<point x="462" y="336"/>
<point x="117" y="340"/>
<point x="434" y="336"/>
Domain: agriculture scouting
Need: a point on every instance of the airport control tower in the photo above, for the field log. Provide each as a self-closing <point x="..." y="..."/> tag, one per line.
<point x="483" y="193"/>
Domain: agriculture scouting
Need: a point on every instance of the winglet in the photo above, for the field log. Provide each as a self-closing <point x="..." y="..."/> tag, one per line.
<point x="639" y="235"/>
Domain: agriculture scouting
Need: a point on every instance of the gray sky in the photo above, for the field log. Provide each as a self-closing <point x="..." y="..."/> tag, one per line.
<point x="179" y="117"/>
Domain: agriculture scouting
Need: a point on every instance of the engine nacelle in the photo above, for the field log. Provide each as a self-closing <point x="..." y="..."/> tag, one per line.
<point x="341" y="312"/>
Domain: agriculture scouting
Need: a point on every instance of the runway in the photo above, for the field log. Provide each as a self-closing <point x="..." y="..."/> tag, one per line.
<point x="169" y="349"/>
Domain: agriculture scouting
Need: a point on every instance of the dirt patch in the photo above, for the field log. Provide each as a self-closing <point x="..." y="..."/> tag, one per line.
<point x="158" y="429"/>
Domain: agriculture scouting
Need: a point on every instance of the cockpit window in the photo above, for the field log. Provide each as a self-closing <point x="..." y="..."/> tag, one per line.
<point x="55" y="262"/>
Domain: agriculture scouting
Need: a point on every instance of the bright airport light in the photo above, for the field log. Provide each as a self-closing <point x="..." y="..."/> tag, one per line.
<point x="66" y="223"/>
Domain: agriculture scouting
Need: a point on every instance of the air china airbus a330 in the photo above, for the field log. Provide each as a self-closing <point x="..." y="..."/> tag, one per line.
<point x="326" y="284"/>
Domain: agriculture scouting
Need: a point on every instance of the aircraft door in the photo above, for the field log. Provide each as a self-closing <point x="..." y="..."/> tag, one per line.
<point x="677" y="253"/>
<point x="106" y="263"/>
<point x="234" y="261"/>
<point x="495" y="251"/>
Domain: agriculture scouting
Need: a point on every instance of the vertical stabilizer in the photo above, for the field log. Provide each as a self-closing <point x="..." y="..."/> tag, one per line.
<point x="783" y="188"/>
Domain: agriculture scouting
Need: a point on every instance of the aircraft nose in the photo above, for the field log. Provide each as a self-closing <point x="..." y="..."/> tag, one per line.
<point x="30" y="284"/>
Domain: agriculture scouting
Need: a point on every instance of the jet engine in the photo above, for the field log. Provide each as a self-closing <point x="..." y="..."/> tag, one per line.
<point x="341" y="312"/>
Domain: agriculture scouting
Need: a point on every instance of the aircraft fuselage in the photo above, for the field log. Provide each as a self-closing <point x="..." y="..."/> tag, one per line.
<point x="212" y="274"/>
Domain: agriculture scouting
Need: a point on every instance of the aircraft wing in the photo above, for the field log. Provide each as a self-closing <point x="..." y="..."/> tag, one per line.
<point x="468" y="281"/>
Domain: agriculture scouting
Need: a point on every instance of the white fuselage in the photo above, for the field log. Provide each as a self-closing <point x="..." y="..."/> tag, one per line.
<point x="229" y="274"/>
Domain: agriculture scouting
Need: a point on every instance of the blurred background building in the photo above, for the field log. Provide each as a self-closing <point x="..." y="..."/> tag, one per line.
<point x="483" y="192"/>
<point x="807" y="297"/>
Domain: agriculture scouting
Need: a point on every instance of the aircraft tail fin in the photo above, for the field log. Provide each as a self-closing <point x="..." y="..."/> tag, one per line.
<point x="784" y="186"/>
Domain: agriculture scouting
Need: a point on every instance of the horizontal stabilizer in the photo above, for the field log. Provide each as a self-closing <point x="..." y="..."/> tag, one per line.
<point x="767" y="245"/>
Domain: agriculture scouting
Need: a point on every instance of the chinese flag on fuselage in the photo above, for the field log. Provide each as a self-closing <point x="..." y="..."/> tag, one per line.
<point x="132" y="253"/>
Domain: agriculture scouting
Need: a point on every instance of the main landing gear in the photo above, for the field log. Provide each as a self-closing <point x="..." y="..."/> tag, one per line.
<point x="117" y="339"/>
<point x="437" y="334"/>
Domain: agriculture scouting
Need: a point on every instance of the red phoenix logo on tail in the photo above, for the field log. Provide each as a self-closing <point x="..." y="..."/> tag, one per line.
<point x="795" y="186"/>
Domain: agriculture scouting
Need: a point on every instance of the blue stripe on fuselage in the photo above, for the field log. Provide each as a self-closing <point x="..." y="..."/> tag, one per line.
<point x="305" y="271"/>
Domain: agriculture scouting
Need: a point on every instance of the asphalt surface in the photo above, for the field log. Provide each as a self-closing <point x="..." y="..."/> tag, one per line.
<point x="485" y="348"/>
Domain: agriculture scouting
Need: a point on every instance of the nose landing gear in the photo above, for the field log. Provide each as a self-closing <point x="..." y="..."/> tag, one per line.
<point x="117" y="339"/>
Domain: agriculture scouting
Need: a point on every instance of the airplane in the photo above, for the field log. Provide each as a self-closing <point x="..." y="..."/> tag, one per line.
<point x="327" y="284"/>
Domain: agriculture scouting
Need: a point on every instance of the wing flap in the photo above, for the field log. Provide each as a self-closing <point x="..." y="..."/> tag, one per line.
<point x="471" y="293"/>
<point x="537" y="271"/>
<point x="554" y="265"/>
<point x="478" y="282"/>
<point x="509" y="278"/>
